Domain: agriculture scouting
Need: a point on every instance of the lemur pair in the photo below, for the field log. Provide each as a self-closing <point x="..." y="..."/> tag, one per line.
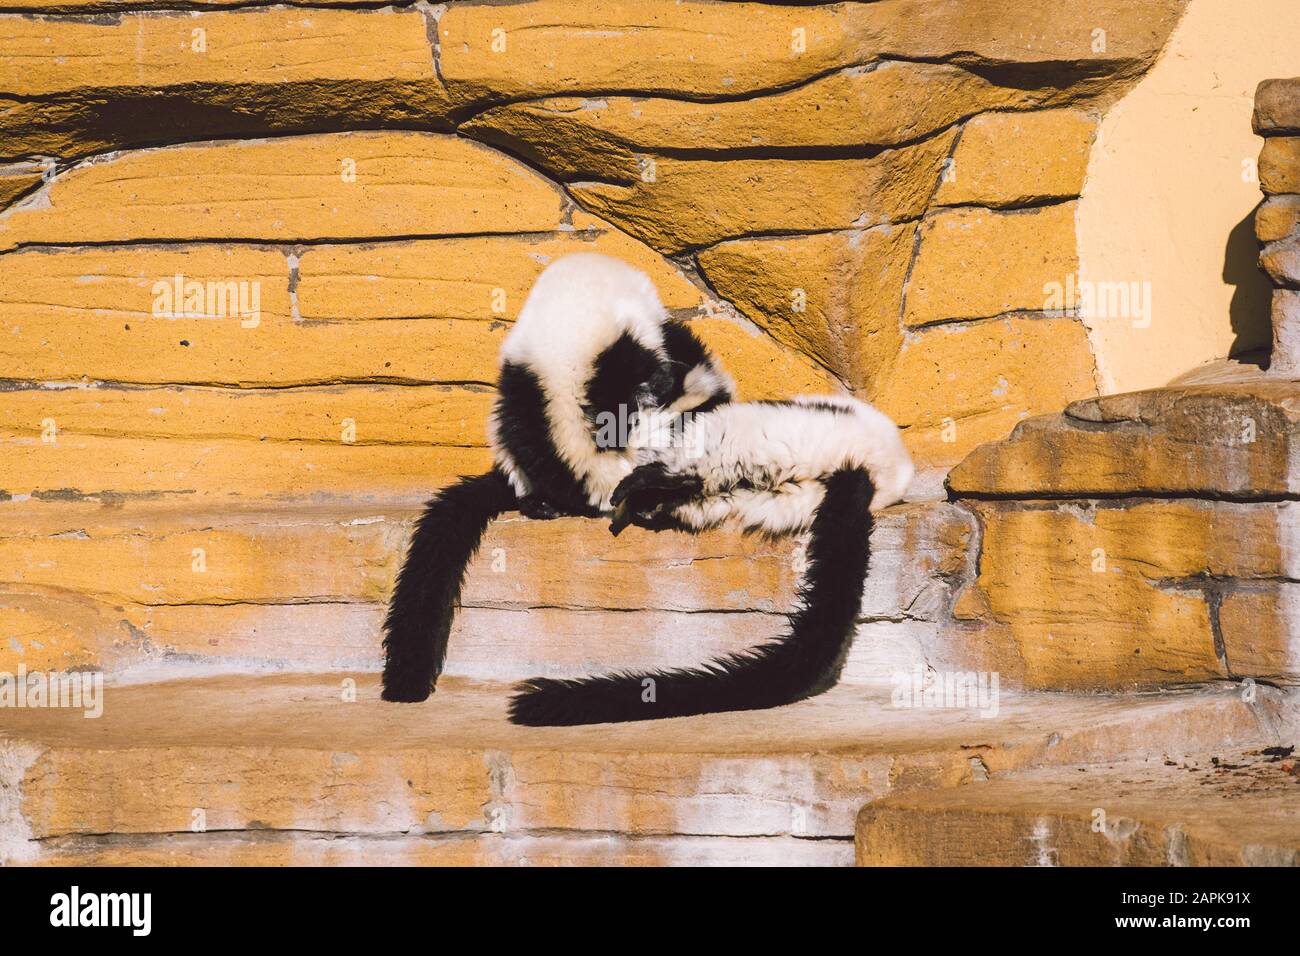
<point x="592" y="341"/>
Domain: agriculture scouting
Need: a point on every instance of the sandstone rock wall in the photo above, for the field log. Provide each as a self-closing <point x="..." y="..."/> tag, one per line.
<point x="868" y="196"/>
<point x="1150" y="538"/>
<point x="1277" y="221"/>
<point x="256" y="262"/>
<point x="1138" y="540"/>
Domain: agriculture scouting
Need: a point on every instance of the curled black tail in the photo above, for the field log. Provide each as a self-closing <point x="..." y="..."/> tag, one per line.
<point x="805" y="662"/>
<point x="424" y="601"/>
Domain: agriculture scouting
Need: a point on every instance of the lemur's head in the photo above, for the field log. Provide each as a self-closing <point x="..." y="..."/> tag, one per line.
<point x="698" y="381"/>
<point x="660" y="387"/>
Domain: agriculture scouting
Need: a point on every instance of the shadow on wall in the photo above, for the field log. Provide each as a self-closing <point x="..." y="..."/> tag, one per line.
<point x="1249" y="312"/>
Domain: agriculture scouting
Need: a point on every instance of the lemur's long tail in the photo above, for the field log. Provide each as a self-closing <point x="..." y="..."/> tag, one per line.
<point x="805" y="662"/>
<point x="428" y="587"/>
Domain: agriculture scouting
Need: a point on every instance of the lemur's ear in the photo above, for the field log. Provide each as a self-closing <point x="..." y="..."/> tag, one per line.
<point x="698" y="373"/>
<point x="683" y="345"/>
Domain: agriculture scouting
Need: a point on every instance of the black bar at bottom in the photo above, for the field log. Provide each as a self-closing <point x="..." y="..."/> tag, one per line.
<point x="697" y="908"/>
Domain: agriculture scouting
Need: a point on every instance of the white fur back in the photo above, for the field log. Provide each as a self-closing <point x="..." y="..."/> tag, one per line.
<point x="777" y="453"/>
<point x="579" y="306"/>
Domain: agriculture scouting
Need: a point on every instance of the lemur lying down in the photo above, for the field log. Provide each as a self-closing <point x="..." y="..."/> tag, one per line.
<point x="820" y="463"/>
<point x="593" y="342"/>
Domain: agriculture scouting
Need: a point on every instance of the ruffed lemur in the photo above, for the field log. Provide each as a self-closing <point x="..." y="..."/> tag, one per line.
<point x="592" y="342"/>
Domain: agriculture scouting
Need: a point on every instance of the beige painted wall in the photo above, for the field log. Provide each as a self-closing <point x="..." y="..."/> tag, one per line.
<point x="1170" y="194"/>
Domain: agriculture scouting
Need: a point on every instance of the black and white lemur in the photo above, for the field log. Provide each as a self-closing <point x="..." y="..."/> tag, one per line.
<point x="592" y="343"/>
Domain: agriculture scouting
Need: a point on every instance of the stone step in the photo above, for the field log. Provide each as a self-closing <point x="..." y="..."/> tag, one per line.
<point x="147" y="586"/>
<point x="294" y="768"/>
<point x="1192" y="591"/>
<point x="458" y="849"/>
<point x="1140" y="539"/>
<point x="1225" y="440"/>
<point x="1221" y="807"/>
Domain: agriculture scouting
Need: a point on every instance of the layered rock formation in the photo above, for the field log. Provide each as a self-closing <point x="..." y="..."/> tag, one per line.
<point x="1147" y="538"/>
<point x="882" y="190"/>
<point x="255" y="265"/>
<point x="1135" y="541"/>
<point x="1140" y="540"/>
<point x="1277" y="222"/>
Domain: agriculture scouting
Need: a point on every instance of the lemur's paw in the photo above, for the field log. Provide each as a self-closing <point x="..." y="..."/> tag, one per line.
<point x="537" y="508"/>
<point x="656" y="483"/>
<point x="648" y="496"/>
